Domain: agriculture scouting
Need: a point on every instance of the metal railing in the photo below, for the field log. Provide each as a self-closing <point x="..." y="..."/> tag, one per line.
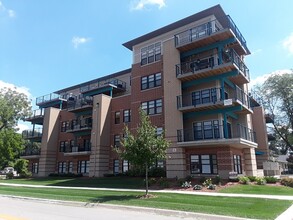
<point x="212" y="95"/>
<point x="79" y="124"/>
<point x="211" y="61"/>
<point x="38" y="113"/>
<point x="207" y="29"/>
<point x="76" y="148"/>
<point x="30" y="152"/>
<point x="34" y="133"/>
<point x="79" y="103"/>
<point x="200" y="133"/>
<point x="47" y="98"/>
<point x="116" y="82"/>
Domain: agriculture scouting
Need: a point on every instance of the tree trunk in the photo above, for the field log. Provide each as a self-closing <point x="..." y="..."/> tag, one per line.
<point x="146" y="180"/>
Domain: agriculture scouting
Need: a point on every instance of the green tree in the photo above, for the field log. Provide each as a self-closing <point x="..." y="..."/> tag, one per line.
<point x="143" y="148"/>
<point x="276" y="95"/>
<point x="14" y="106"/>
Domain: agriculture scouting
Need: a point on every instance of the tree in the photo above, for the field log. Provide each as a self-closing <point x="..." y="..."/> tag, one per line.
<point x="276" y="96"/>
<point x="145" y="147"/>
<point x="14" y="106"/>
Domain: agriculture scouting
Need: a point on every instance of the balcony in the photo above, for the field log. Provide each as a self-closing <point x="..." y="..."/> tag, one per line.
<point x="51" y="100"/>
<point x="34" y="134"/>
<point x="30" y="153"/>
<point x="37" y="117"/>
<point x="213" y="65"/>
<point x="211" y="32"/>
<point x="106" y="86"/>
<point x="78" y="150"/>
<point x="79" y="125"/>
<point x="79" y="105"/>
<point x="212" y="98"/>
<point x="241" y="137"/>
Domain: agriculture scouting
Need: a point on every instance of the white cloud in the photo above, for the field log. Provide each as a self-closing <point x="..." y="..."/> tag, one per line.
<point x="5" y="11"/>
<point x="20" y="89"/>
<point x="141" y="4"/>
<point x="79" y="40"/>
<point x="288" y="43"/>
<point x="261" y="79"/>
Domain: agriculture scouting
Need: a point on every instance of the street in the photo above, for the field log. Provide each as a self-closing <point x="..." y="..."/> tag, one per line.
<point x="27" y="209"/>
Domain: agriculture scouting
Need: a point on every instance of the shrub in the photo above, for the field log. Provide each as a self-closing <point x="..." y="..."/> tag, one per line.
<point x="65" y="175"/>
<point x="260" y="181"/>
<point x="287" y="181"/>
<point x="164" y="183"/>
<point x="207" y="182"/>
<point x="252" y="178"/>
<point x="271" y="179"/>
<point x="211" y="187"/>
<point x="9" y="176"/>
<point x="186" y="185"/>
<point x="217" y="180"/>
<point x="202" y="179"/>
<point x="188" y="178"/>
<point x="244" y="180"/>
<point x="152" y="181"/>
<point x="157" y="172"/>
<point x="197" y="187"/>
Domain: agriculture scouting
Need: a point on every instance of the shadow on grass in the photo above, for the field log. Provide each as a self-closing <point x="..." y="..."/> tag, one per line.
<point x="104" y="199"/>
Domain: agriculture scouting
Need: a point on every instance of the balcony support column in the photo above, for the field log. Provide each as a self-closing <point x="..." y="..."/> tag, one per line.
<point x="225" y="127"/>
<point x="222" y="88"/>
<point x="220" y="51"/>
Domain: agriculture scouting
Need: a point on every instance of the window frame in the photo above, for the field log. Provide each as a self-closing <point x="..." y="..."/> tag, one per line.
<point x="151" y="81"/>
<point x="237" y="164"/>
<point x="151" y="53"/>
<point x="153" y="107"/>
<point x="204" y="164"/>
<point x="117" y="117"/>
<point x="126" y="115"/>
<point x="116" y="140"/>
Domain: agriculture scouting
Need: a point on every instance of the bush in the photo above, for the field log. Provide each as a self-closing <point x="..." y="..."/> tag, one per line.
<point x="197" y="187"/>
<point x="157" y="172"/>
<point x="164" y="183"/>
<point x="244" y="180"/>
<point x="188" y="178"/>
<point x="21" y="167"/>
<point x="207" y="182"/>
<point x="186" y="185"/>
<point x="217" y="180"/>
<point x="260" y="181"/>
<point x="252" y="178"/>
<point x="152" y="181"/>
<point x="202" y="179"/>
<point x="271" y="179"/>
<point x="287" y="181"/>
<point x="9" y="176"/>
<point x="211" y="187"/>
<point x="65" y="175"/>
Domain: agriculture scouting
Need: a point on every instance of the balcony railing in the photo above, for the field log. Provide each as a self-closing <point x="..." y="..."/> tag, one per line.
<point x="210" y="97"/>
<point x="30" y="152"/>
<point x="35" y="133"/>
<point x="79" y="124"/>
<point x="213" y="61"/>
<point x="79" y="103"/>
<point x="38" y="113"/>
<point x="208" y="29"/>
<point x="76" y="148"/>
<point x="100" y="84"/>
<point x="51" y="98"/>
<point x="214" y="133"/>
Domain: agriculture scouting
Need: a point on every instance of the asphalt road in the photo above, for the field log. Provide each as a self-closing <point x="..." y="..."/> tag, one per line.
<point x="27" y="209"/>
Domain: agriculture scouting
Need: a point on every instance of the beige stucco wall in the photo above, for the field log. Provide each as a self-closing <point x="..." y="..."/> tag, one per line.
<point x="47" y="162"/>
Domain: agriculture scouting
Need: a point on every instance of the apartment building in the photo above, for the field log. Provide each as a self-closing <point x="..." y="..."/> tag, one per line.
<point x="191" y="79"/>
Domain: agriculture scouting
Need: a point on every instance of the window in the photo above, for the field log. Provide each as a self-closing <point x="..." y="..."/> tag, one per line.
<point x="151" y="53"/>
<point x="116" y="166"/>
<point x="159" y="131"/>
<point x="203" y="164"/>
<point x="62" y="167"/>
<point x="126" y="115"/>
<point x="63" y="126"/>
<point x="35" y="167"/>
<point x="237" y="164"/>
<point x="152" y="107"/>
<point x="151" y="81"/>
<point x="206" y="130"/>
<point x="117" y="117"/>
<point x="70" y="167"/>
<point x="125" y="167"/>
<point x="83" y="166"/>
<point x="116" y="140"/>
<point x="62" y="146"/>
<point x="204" y="96"/>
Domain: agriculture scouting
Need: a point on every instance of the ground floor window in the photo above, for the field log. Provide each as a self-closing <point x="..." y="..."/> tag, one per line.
<point x="116" y="166"/>
<point x="35" y="167"/>
<point x="62" y="167"/>
<point x="83" y="166"/>
<point x="125" y="167"/>
<point x="237" y="164"/>
<point x="70" y="167"/>
<point x="203" y="164"/>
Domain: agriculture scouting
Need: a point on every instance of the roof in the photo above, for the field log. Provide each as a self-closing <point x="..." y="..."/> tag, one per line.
<point x="113" y="75"/>
<point x="215" y="10"/>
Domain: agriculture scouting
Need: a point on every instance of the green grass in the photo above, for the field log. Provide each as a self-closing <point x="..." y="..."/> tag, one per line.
<point x="259" y="189"/>
<point x="240" y="207"/>
<point x="109" y="182"/>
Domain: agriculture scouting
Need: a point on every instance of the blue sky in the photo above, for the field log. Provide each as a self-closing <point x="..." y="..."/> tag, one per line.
<point x="49" y="45"/>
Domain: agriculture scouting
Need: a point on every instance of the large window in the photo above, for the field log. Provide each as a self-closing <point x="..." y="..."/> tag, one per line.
<point x="83" y="166"/>
<point x="116" y="166"/>
<point x="151" y="53"/>
<point x="204" y="96"/>
<point x="151" y="81"/>
<point x="206" y="130"/>
<point x="70" y="167"/>
<point x="62" y="167"/>
<point x="152" y="107"/>
<point x="62" y="146"/>
<point x="203" y="164"/>
<point x="35" y="167"/>
<point x="125" y="167"/>
<point x="126" y="116"/>
<point x="237" y="164"/>
<point x="63" y="126"/>
<point x="117" y="117"/>
<point x="116" y="140"/>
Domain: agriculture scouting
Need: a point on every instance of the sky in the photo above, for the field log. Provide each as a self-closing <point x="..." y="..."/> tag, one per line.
<point x="51" y="44"/>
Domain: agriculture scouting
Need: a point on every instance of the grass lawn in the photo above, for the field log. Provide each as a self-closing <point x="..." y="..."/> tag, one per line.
<point x="240" y="207"/>
<point x="258" y="189"/>
<point x="108" y="182"/>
